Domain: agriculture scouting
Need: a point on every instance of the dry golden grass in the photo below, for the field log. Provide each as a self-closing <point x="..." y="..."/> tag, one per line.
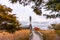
<point x="18" y="35"/>
<point x="49" y="35"/>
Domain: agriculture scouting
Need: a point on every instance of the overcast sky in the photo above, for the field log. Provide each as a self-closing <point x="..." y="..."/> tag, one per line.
<point x="23" y="13"/>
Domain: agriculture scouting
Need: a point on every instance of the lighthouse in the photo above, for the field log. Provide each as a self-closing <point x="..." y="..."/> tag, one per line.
<point x="30" y="25"/>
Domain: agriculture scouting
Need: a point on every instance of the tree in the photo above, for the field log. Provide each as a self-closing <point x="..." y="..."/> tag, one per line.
<point x="26" y="2"/>
<point x="36" y="7"/>
<point x="54" y="6"/>
<point x="8" y="22"/>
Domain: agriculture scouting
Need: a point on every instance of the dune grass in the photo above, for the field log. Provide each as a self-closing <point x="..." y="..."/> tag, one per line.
<point x="58" y="32"/>
<point x="18" y="35"/>
<point x="49" y="35"/>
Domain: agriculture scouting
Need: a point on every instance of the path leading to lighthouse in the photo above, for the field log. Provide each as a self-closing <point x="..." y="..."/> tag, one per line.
<point x="36" y="36"/>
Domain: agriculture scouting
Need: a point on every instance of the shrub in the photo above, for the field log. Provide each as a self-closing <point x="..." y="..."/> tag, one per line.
<point x="56" y="26"/>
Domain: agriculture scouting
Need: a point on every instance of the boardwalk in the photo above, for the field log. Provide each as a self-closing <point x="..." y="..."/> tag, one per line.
<point x="36" y="36"/>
